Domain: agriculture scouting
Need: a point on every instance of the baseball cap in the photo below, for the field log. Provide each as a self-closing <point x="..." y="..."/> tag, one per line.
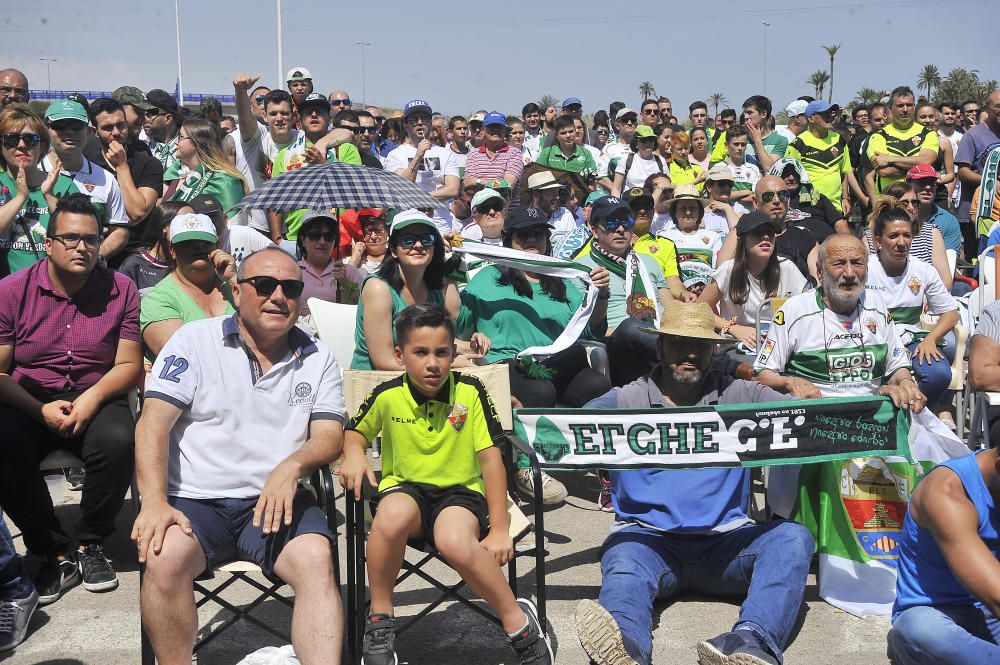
<point x="79" y="99"/>
<point x="719" y="173"/>
<point x="572" y="101"/>
<point x="206" y="204"/>
<point x="523" y="218"/>
<point x="921" y="171"/>
<point x="315" y="99"/>
<point x="797" y="107"/>
<point x="416" y="106"/>
<point x="644" y="132"/>
<point x="161" y="99"/>
<point x="819" y="106"/>
<point x="478" y="116"/>
<point x="411" y="217"/>
<point x="498" y="183"/>
<point x="624" y="112"/>
<point x="593" y="196"/>
<point x="637" y="197"/>
<point x="128" y="94"/>
<point x="65" y="109"/>
<point x="313" y="215"/>
<point x="542" y="180"/>
<point x="754" y="220"/>
<point x="192" y="226"/>
<point x="484" y="195"/>
<point x="494" y="118"/>
<point x="607" y="207"/>
<point x="298" y="74"/>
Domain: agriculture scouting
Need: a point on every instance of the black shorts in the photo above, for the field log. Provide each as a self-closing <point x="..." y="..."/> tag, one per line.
<point x="431" y="500"/>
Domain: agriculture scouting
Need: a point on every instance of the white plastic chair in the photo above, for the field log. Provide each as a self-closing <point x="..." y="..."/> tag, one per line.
<point x="336" y="324"/>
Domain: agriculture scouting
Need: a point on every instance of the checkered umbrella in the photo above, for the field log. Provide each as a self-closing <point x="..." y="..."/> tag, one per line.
<point x="337" y="185"/>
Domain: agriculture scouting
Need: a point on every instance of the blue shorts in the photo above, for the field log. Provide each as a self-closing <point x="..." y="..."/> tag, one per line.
<point x="224" y="529"/>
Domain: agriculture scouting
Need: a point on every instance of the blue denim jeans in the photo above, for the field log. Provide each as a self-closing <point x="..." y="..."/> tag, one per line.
<point x="767" y="562"/>
<point x="934" y="377"/>
<point x="13" y="584"/>
<point x="945" y="636"/>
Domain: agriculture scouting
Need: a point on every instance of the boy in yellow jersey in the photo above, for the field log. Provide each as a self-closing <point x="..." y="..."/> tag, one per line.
<point x="443" y="481"/>
<point x="901" y="145"/>
<point x="824" y="154"/>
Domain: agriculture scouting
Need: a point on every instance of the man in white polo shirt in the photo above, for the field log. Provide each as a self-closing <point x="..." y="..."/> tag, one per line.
<point x="238" y="409"/>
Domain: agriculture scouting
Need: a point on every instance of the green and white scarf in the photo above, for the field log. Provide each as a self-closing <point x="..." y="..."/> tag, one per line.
<point x="541" y="264"/>
<point x="987" y="192"/>
<point x="638" y="283"/>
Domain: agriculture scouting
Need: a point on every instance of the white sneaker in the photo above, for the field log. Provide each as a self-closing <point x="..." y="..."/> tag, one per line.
<point x="553" y="491"/>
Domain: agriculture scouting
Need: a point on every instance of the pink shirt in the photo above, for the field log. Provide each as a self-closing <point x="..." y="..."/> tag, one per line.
<point x="323" y="284"/>
<point x="65" y="344"/>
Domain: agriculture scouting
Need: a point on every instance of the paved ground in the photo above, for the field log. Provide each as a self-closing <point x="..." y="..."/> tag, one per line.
<point x="103" y="629"/>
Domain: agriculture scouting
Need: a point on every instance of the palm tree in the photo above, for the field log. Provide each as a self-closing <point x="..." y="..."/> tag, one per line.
<point x="929" y="78"/>
<point x="832" y="52"/>
<point x="647" y="90"/>
<point x="717" y="99"/>
<point x="867" y="97"/>
<point x="547" y="101"/>
<point x="818" y="81"/>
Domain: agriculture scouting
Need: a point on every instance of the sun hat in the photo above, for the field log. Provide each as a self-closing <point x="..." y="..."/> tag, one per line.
<point x="686" y="191"/>
<point x="693" y="320"/>
<point x="542" y="180"/>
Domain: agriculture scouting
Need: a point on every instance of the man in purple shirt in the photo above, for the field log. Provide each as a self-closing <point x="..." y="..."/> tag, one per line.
<point x="70" y="354"/>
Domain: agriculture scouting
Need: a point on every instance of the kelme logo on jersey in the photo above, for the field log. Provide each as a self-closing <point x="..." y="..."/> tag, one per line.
<point x="849" y="366"/>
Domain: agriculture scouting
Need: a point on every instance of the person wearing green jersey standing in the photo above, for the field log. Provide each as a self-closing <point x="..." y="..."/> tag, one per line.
<point x="902" y="144"/>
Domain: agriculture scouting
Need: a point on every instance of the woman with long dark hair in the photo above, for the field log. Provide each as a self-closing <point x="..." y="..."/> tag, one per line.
<point x="151" y="262"/>
<point x="755" y="273"/>
<point x="413" y="273"/>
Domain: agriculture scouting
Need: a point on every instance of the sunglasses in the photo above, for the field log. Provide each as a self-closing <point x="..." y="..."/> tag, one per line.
<point x="316" y="235"/>
<point x="651" y="111"/>
<point x="409" y="240"/>
<point x="369" y="130"/>
<point x="966" y="110"/>
<point x="259" y="99"/>
<point x="6" y="91"/>
<point x="356" y="130"/>
<point x="72" y="240"/>
<point x="67" y="126"/>
<point x="340" y="102"/>
<point x="417" y="120"/>
<point x="14" y="140"/>
<point x="602" y="131"/>
<point x="152" y="113"/>
<point x="768" y="197"/>
<point x="628" y="121"/>
<point x="909" y="203"/>
<point x="611" y="225"/>
<point x="265" y="286"/>
<point x="489" y="206"/>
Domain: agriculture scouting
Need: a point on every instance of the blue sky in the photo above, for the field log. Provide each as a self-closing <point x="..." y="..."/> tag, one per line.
<point x="460" y="57"/>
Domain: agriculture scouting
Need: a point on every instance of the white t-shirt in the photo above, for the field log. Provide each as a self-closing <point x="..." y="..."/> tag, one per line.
<point x="259" y="153"/>
<point x="783" y="130"/>
<point x="459" y="158"/>
<point x="745" y="173"/>
<point x="695" y="254"/>
<point x="640" y="170"/>
<point x="255" y="218"/>
<point x="790" y="282"/>
<point x="242" y="241"/>
<point x="661" y="222"/>
<point x="611" y="152"/>
<point x="100" y="186"/>
<point x="237" y="424"/>
<point x="716" y="220"/>
<point x="438" y="163"/>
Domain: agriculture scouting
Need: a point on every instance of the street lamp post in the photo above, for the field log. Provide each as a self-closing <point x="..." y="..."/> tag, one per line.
<point x="180" y="74"/>
<point x="48" y="70"/>
<point x="281" y="63"/>
<point x="766" y="26"/>
<point x="364" y="91"/>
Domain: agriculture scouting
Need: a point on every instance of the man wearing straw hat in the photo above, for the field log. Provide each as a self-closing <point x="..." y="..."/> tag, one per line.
<point x="689" y="529"/>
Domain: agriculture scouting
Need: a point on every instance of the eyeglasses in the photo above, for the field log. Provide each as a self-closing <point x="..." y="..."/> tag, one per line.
<point x="67" y="126"/>
<point x="651" y="111"/>
<point x="265" y="286"/>
<point x="181" y="137"/>
<point x="967" y="111"/>
<point x="369" y="130"/>
<point x="356" y="130"/>
<point x="373" y="233"/>
<point x="340" y="102"/>
<point x="6" y="91"/>
<point x="827" y="115"/>
<point x="152" y="113"/>
<point x="768" y="197"/>
<point x="316" y="235"/>
<point x="13" y="140"/>
<point x="611" y="225"/>
<point x="409" y="240"/>
<point x="602" y="132"/>
<point x="489" y="207"/>
<point x="924" y="183"/>
<point x="72" y="240"/>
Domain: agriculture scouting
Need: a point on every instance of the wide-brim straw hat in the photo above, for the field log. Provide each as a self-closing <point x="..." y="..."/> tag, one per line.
<point x="694" y="320"/>
<point x="687" y="191"/>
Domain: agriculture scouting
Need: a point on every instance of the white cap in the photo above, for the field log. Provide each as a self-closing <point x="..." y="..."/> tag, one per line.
<point x="409" y="218"/>
<point x="798" y="107"/>
<point x="298" y="74"/>
<point x="192" y="227"/>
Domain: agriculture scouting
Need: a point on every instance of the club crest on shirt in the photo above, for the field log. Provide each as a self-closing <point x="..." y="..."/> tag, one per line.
<point x="914" y="285"/>
<point x="871" y="325"/>
<point x="457" y="416"/>
<point x="89" y="186"/>
<point x="915" y="140"/>
<point x="706" y="239"/>
<point x="834" y="151"/>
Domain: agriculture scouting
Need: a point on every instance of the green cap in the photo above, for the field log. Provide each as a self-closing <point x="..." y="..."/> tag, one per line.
<point x="593" y="197"/>
<point x="410" y="218"/>
<point x="66" y="109"/>
<point x="644" y="132"/>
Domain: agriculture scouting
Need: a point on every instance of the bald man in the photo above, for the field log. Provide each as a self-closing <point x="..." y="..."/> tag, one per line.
<point x="13" y="88"/>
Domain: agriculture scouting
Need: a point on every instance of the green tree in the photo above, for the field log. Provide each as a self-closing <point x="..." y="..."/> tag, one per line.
<point x="866" y="97"/>
<point x="547" y="101"/>
<point x="961" y="85"/>
<point x="646" y="90"/>
<point x="832" y="52"/>
<point x="717" y="99"/>
<point x="818" y="80"/>
<point x="929" y="79"/>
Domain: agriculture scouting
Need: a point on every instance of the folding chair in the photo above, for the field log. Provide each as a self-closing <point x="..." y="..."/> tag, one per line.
<point x="336" y="324"/>
<point x="239" y="571"/>
<point x="357" y="385"/>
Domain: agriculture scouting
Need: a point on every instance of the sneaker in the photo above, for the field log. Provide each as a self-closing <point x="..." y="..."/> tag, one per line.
<point x="14" y="618"/>
<point x="54" y="577"/>
<point x="739" y="647"/>
<point x="377" y="645"/>
<point x="98" y="575"/>
<point x="553" y="491"/>
<point x="604" y="498"/>
<point x="74" y="478"/>
<point x="530" y="644"/>
<point x="600" y="636"/>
